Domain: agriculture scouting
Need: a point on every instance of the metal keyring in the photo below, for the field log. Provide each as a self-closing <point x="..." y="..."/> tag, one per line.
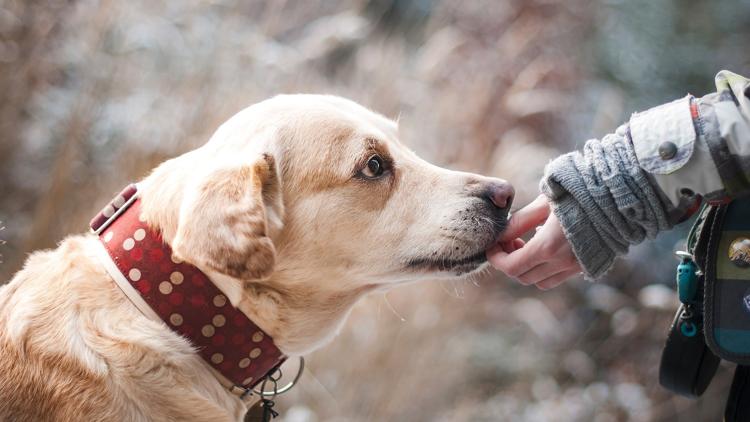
<point x="285" y="388"/>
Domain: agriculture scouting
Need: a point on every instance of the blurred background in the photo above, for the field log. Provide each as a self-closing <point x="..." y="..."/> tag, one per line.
<point x="96" y="93"/>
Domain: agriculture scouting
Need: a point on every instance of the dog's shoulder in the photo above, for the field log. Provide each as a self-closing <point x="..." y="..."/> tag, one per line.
<point x="73" y="347"/>
<point x="36" y="386"/>
<point x="37" y="377"/>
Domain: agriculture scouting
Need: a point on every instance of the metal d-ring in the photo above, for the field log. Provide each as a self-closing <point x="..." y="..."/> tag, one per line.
<point x="276" y="391"/>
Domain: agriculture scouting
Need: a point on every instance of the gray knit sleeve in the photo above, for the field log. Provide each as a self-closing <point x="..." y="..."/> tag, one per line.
<point x="604" y="200"/>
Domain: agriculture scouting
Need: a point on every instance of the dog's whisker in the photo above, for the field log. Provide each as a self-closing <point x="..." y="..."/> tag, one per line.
<point x="473" y="279"/>
<point x="332" y="397"/>
<point x="444" y="288"/>
<point x="385" y="297"/>
<point x="2" y="242"/>
<point x="458" y="289"/>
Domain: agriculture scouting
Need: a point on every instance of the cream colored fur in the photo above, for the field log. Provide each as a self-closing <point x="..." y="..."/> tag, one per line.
<point x="275" y="209"/>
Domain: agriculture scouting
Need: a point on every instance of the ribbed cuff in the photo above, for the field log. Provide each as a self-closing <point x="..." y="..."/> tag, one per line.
<point x="605" y="202"/>
<point x="591" y="251"/>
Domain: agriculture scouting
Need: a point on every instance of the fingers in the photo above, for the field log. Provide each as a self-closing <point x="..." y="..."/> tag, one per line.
<point x="539" y="273"/>
<point x="516" y="262"/>
<point x="556" y="279"/>
<point x="526" y="264"/>
<point x="508" y="246"/>
<point x="526" y="218"/>
<point x="546" y="260"/>
<point x="512" y="245"/>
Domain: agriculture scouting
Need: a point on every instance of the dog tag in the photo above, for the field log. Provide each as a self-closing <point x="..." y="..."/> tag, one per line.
<point x="255" y="413"/>
<point x="262" y="411"/>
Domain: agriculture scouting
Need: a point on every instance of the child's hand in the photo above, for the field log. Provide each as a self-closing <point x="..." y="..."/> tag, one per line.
<point x="546" y="260"/>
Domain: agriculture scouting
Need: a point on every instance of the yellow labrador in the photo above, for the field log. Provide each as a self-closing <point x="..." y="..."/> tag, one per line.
<point x="295" y="209"/>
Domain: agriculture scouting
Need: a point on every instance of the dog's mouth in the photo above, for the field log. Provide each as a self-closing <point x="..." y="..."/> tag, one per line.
<point x="466" y="252"/>
<point x="459" y="266"/>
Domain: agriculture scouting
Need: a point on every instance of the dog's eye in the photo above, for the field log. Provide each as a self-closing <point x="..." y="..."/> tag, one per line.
<point x="374" y="167"/>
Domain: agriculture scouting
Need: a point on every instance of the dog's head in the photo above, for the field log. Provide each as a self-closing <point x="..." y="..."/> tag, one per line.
<point x="317" y="189"/>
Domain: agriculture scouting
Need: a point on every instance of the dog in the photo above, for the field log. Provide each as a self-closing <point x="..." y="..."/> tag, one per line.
<point x="297" y="207"/>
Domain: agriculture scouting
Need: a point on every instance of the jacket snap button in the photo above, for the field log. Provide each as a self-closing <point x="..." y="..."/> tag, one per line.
<point x="667" y="150"/>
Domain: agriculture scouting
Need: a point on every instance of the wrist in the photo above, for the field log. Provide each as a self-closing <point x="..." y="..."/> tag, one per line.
<point x="593" y="254"/>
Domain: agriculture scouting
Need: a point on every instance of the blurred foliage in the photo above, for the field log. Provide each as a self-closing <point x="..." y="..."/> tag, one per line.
<point x="96" y="93"/>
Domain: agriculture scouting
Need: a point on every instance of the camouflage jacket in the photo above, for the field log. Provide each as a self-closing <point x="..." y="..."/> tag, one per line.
<point x="652" y="172"/>
<point x="698" y="146"/>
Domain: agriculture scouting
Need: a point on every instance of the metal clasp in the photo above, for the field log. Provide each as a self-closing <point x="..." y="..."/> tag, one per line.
<point x="274" y="376"/>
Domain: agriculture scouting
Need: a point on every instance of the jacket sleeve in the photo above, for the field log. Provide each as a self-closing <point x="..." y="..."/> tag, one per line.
<point x="652" y="172"/>
<point x="698" y="146"/>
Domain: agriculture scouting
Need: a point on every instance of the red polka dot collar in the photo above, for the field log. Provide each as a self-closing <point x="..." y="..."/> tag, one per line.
<point x="182" y="297"/>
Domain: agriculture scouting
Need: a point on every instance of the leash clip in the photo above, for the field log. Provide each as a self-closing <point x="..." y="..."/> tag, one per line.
<point x="261" y="392"/>
<point x="267" y="404"/>
<point x="266" y="397"/>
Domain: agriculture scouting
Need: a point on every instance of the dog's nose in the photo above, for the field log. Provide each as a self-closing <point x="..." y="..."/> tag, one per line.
<point x="501" y="194"/>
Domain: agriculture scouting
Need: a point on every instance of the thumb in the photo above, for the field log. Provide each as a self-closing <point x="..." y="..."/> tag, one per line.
<point x="526" y="218"/>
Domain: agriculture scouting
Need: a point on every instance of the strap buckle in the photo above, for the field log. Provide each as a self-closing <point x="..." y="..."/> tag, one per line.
<point x="114" y="208"/>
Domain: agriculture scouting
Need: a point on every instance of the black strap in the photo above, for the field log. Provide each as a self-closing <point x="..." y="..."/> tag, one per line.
<point x="700" y="233"/>
<point x="687" y="364"/>
<point x="738" y="403"/>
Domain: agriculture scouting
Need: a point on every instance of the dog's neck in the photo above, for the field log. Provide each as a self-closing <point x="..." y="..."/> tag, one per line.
<point x="299" y="318"/>
<point x="293" y="306"/>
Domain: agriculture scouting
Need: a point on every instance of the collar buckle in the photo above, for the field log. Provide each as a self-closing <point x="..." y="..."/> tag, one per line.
<point x="116" y="206"/>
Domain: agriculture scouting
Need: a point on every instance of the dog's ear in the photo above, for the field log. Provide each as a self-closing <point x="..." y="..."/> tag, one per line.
<point x="225" y="216"/>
